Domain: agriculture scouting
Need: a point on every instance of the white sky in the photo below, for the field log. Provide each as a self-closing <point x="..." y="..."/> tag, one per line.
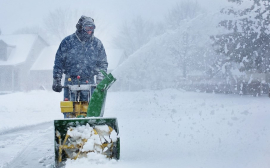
<point x="16" y="14"/>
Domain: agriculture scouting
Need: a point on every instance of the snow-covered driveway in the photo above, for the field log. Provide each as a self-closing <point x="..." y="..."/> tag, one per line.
<point x="168" y="128"/>
<point x="29" y="146"/>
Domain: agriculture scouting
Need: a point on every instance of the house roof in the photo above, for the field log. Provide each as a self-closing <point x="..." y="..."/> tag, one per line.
<point x="22" y="46"/>
<point x="3" y="43"/>
<point x="46" y="59"/>
<point x="113" y="57"/>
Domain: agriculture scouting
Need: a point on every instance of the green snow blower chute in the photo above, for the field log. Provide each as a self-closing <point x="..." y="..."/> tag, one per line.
<point x="86" y="131"/>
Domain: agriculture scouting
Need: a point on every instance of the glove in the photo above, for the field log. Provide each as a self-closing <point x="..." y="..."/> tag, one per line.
<point x="57" y="87"/>
<point x="99" y="78"/>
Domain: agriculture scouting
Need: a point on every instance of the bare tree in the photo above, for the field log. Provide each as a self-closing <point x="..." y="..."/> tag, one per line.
<point x="187" y="9"/>
<point x="62" y="22"/>
<point x="134" y="34"/>
<point x="186" y="44"/>
<point x="191" y="50"/>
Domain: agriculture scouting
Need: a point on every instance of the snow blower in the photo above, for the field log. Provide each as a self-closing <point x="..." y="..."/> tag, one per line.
<point x="86" y="131"/>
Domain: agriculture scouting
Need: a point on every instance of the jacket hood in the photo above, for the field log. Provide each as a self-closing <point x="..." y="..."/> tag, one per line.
<point x="84" y="20"/>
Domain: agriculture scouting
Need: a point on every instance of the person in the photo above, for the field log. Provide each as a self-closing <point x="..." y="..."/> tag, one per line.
<point x="79" y="54"/>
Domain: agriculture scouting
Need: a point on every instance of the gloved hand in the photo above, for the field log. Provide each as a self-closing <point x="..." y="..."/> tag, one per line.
<point x="57" y="87"/>
<point x="99" y="78"/>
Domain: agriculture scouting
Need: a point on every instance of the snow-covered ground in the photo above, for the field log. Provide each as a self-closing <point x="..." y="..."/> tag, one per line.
<point x="24" y="109"/>
<point x="168" y="128"/>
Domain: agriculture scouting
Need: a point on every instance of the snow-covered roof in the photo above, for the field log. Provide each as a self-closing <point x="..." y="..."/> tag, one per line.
<point x="46" y="59"/>
<point x="22" y="47"/>
<point x="113" y="57"/>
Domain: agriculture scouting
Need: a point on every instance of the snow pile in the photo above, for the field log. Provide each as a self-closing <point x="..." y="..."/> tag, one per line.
<point x="91" y="159"/>
<point x="95" y="144"/>
<point x="95" y="137"/>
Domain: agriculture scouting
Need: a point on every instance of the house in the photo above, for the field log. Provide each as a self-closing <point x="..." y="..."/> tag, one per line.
<point x="17" y="54"/>
<point x="41" y="71"/>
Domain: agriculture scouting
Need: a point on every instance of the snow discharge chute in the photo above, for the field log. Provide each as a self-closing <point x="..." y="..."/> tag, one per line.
<point x="86" y="131"/>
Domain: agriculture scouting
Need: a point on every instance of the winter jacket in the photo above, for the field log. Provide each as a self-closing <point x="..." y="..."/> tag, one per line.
<point x="75" y="57"/>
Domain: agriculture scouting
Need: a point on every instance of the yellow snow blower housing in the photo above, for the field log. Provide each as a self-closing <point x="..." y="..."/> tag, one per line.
<point x="73" y="109"/>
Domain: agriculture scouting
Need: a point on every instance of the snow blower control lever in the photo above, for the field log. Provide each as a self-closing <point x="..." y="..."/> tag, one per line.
<point x="76" y="89"/>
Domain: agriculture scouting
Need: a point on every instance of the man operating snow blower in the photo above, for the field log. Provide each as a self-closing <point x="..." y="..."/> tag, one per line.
<point x="80" y="57"/>
<point x="80" y="54"/>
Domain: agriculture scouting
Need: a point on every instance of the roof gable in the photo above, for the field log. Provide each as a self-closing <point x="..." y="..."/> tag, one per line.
<point x="2" y="43"/>
<point x="45" y="60"/>
<point x="5" y="50"/>
<point x="23" y="47"/>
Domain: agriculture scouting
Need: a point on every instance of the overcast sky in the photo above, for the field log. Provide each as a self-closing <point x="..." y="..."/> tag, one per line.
<point x="16" y="14"/>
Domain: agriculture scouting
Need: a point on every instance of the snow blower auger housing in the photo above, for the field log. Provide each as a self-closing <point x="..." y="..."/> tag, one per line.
<point x="86" y="131"/>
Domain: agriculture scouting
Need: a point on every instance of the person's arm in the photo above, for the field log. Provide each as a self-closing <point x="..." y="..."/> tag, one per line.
<point x="58" y="68"/>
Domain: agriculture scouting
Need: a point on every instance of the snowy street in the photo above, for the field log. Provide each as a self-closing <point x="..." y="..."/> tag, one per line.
<point x="30" y="146"/>
<point x="168" y="128"/>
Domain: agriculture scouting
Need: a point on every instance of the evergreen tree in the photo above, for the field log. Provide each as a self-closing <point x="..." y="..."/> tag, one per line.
<point x="248" y="43"/>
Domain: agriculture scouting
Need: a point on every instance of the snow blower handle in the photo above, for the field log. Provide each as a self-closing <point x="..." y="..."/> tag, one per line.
<point x="69" y="79"/>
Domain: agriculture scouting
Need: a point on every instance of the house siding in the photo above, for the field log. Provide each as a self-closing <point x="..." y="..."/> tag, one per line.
<point x="6" y="79"/>
<point x="24" y="75"/>
<point x="3" y="51"/>
<point x="17" y="77"/>
<point x="42" y="79"/>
